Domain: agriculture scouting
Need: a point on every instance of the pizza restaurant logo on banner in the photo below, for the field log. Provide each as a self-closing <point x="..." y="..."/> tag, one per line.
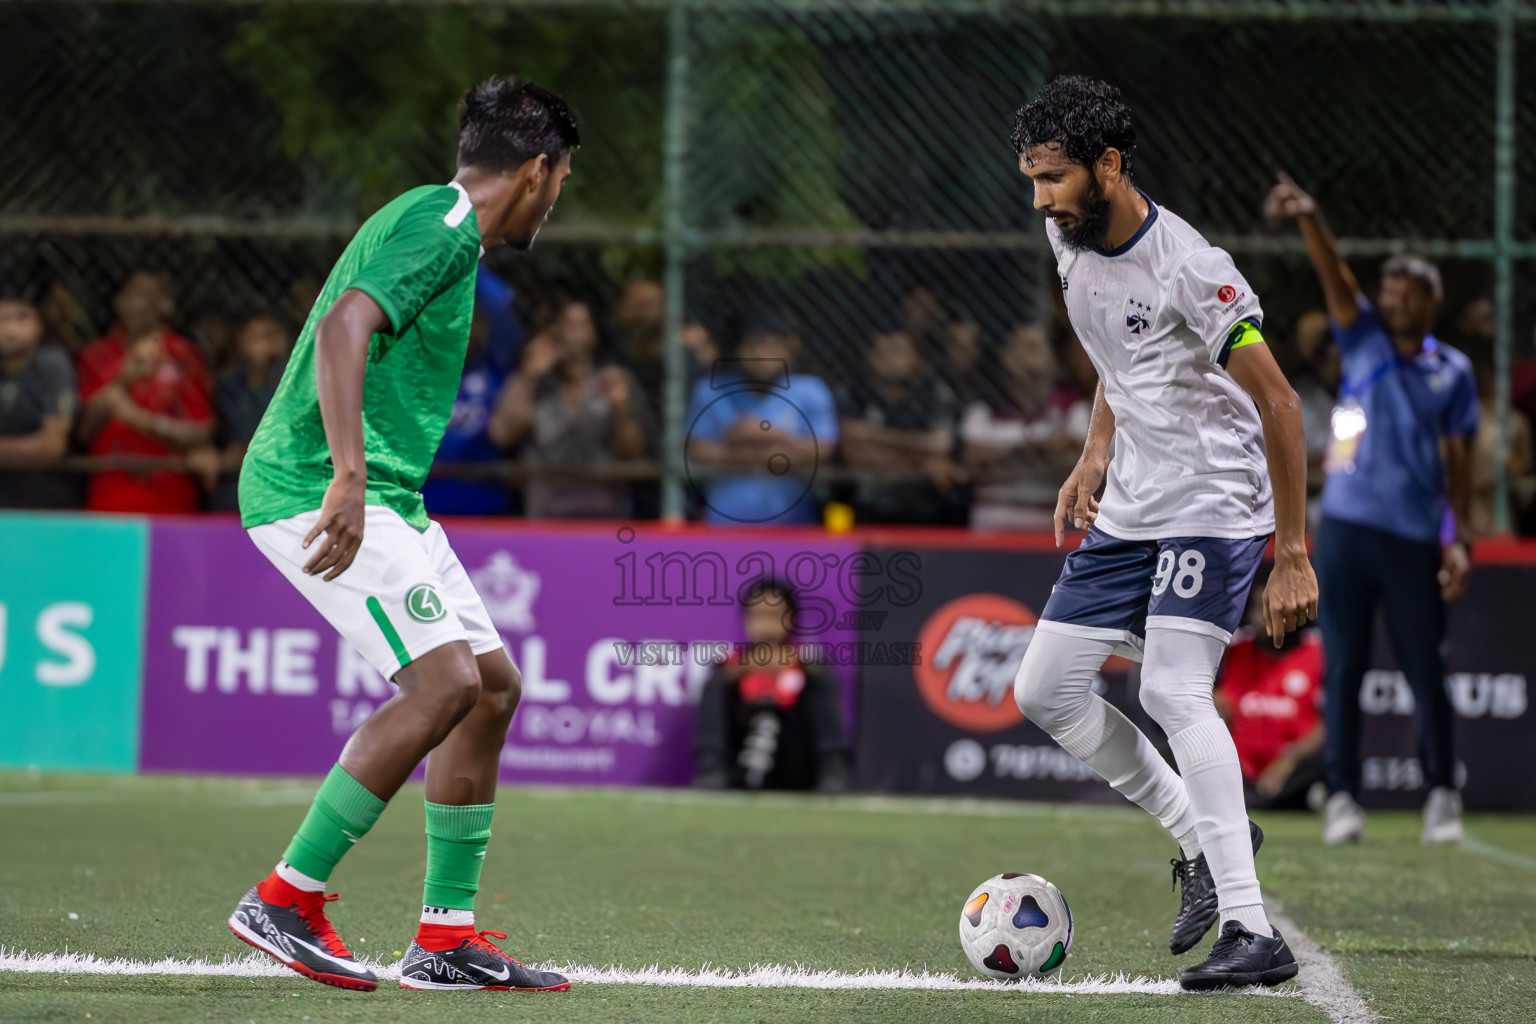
<point x="977" y="642"/>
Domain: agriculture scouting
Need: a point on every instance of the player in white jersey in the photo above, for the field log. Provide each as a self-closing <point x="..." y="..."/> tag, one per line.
<point x="1189" y="402"/>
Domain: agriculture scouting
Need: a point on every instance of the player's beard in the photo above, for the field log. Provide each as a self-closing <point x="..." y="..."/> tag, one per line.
<point x="1087" y="231"/>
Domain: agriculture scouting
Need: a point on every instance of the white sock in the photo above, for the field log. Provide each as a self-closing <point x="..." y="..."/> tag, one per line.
<point x="1111" y="745"/>
<point x="1189" y="838"/>
<point x="1208" y="761"/>
<point x="298" y="879"/>
<point x="457" y="918"/>
<point x="1250" y="917"/>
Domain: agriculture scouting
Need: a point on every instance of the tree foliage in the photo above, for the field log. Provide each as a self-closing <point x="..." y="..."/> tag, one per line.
<point x="370" y="94"/>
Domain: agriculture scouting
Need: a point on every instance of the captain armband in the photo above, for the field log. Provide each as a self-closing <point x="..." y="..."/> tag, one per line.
<point x="1242" y="334"/>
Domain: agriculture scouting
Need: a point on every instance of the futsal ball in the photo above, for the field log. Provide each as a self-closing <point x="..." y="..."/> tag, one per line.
<point x="1016" y="926"/>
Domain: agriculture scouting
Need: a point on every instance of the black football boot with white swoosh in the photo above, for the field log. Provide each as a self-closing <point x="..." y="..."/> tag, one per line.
<point x="300" y="937"/>
<point x="473" y="965"/>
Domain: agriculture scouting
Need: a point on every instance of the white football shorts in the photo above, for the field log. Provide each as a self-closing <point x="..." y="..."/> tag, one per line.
<point x="403" y="595"/>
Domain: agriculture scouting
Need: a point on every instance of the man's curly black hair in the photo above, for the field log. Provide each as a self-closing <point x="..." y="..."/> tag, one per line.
<point x="1082" y="115"/>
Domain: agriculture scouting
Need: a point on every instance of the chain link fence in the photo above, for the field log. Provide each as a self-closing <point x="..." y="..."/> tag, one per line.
<point x="843" y="164"/>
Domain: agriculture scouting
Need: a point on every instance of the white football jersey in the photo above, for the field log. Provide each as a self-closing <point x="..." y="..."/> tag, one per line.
<point x="1153" y="315"/>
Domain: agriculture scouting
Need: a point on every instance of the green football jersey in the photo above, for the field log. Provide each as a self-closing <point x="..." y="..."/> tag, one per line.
<point x="417" y="259"/>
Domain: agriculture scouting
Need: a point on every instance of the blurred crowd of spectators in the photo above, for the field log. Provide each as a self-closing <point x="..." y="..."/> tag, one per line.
<point x="559" y="411"/>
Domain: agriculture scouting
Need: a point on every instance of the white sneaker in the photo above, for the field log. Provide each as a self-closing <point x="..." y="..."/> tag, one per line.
<point x="1442" y="817"/>
<point x="1343" y="820"/>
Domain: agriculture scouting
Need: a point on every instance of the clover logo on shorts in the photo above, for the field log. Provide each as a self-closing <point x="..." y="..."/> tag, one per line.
<point x="423" y="604"/>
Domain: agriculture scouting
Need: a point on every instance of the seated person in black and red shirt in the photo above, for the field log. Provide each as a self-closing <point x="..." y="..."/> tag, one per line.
<point x="768" y="720"/>
<point x="1271" y="699"/>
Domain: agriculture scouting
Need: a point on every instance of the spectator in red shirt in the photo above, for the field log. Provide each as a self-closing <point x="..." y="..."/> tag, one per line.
<point x="145" y="392"/>
<point x="1271" y="699"/>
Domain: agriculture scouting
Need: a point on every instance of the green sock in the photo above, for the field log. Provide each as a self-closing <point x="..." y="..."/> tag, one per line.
<point x="456" y="841"/>
<point x="342" y="813"/>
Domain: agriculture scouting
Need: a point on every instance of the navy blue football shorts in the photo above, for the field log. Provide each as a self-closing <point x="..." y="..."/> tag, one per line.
<point x="1113" y="589"/>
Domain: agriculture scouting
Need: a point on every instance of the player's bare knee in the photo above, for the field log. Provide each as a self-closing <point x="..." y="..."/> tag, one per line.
<point x="512" y="695"/>
<point x="501" y="690"/>
<point x="461" y="692"/>
<point x="501" y="686"/>
<point x="444" y="683"/>
<point x="450" y="693"/>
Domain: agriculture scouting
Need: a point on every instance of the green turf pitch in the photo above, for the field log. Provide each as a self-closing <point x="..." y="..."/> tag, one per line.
<point x="151" y="868"/>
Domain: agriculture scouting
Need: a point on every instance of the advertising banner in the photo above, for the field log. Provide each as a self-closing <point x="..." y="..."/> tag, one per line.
<point x="614" y="629"/>
<point x="948" y="723"/>
<point x="71" y="625"/>
<point x="1488" y="670"/>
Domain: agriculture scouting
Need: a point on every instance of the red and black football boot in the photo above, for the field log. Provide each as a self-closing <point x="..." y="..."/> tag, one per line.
<point x="300" y="937"/>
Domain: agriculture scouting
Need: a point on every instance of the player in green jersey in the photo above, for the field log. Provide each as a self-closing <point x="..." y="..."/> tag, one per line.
<point x="330" y="494"/>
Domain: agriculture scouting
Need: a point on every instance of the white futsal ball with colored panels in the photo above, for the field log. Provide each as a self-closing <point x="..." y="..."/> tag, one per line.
<point x="1016" y="926"/>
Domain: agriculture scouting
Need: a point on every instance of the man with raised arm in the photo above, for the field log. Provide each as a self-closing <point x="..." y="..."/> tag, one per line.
<point x="1395" y="509"/>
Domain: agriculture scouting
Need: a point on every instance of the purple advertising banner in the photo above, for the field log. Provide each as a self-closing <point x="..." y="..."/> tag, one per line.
<point x="615" y="631"/>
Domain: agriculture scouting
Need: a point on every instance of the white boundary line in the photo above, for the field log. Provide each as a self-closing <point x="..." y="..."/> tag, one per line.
<point x="255" y="965"/>
<point x="1322" y="983"/>
<point x="1494" y="853"/>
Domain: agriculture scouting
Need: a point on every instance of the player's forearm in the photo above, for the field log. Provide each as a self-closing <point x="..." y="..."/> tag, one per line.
<point x="1286" y="450"/>
<point x="341" y="360"/>
<point x="1101" y="427"/>
<point x="1338" y="281"/>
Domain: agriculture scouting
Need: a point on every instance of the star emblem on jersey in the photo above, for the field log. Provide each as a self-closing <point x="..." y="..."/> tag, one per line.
<point x="423" y="604"/>
<point x="1136" y="316"/>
